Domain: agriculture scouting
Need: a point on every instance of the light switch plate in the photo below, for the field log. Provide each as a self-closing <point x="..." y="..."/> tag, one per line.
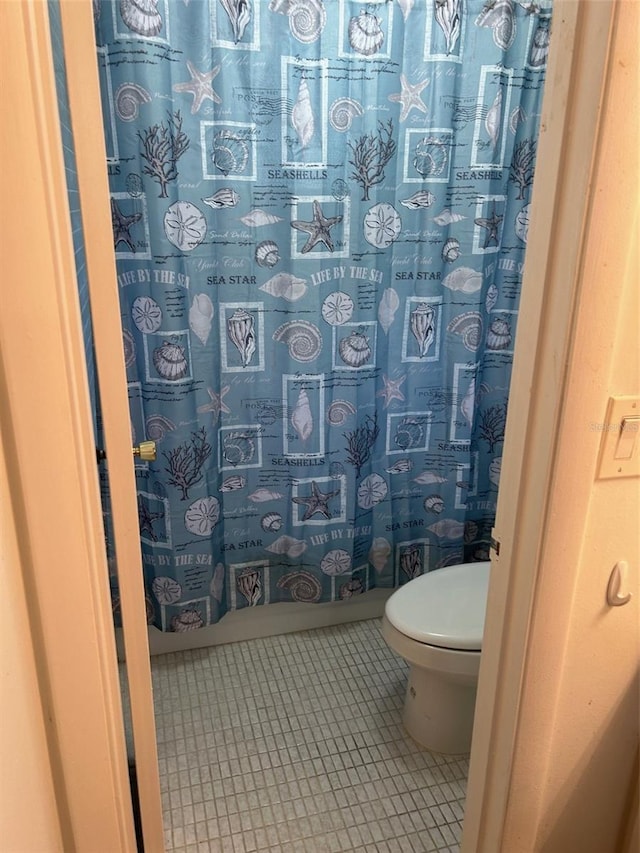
<point x="609" y="467"/>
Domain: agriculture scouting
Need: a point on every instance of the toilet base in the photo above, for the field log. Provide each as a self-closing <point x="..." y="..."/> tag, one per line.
<point x="438" y="713"/>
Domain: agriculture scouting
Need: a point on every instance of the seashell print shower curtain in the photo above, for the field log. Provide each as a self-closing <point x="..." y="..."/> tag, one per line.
<point x="320" y="213"/>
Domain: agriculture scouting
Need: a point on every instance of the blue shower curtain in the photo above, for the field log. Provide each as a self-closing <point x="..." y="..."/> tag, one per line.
<point x="320" y="213"/>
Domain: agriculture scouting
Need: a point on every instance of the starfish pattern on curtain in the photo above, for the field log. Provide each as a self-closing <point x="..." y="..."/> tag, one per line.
<point x="320" y="214"/>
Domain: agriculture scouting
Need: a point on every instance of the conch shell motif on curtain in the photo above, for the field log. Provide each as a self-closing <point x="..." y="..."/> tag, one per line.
<point x="239" y="12"/>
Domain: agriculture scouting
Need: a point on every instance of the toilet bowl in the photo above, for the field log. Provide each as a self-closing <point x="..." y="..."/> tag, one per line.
<point x="435" y="622"/>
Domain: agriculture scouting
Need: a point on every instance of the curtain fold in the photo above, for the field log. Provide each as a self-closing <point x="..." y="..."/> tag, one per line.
<point x="320" y="216"/>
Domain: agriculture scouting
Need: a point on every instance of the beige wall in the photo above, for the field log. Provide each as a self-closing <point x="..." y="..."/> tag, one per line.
<point x="576" y="751"/>
<point x="62" y="731"/>
<point x="28" y="811"/>
<point x="556" y="728"/>
<point x="29" y="819"/>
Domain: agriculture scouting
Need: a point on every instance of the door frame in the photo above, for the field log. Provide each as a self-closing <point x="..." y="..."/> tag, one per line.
<point x="569" y="127"/>
<point x="51" y="500"/>
<point x="83" y="87"/>
<point x="568" y="146"/>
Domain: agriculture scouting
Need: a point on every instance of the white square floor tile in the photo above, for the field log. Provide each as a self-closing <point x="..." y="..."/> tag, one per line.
<point x="295" y="743"/>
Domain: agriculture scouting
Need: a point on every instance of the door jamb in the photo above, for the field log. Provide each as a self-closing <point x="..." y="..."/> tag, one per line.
<point x="48" y="445"/>
<point x="88" y="133"/>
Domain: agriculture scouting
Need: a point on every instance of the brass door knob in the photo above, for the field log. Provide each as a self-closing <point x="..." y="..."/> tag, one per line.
<point x="146" y="451"/>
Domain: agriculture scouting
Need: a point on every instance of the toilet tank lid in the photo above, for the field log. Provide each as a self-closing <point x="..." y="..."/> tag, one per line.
<point x="444" y="607"/>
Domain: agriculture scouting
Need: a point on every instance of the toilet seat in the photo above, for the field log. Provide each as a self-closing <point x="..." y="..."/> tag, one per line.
<point x="443" y="608"/>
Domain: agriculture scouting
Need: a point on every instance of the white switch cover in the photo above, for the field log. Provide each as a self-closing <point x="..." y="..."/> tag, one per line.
<point x="620" y="445"/>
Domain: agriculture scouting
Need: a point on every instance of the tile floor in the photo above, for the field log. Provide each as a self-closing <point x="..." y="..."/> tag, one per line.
<point x="293" y="744"/>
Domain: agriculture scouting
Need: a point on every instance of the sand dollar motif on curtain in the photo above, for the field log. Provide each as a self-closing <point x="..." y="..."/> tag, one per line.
<point x="320" y="213"/>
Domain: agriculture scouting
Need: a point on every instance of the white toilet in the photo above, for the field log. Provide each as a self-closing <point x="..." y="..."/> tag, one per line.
<point x="435" y="622"/>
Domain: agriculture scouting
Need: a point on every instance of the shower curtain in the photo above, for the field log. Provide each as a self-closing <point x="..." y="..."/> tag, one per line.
<point x="320" y="213"/>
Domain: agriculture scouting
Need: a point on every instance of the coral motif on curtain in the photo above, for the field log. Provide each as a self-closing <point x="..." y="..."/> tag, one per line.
<point x="320" y="213"/>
